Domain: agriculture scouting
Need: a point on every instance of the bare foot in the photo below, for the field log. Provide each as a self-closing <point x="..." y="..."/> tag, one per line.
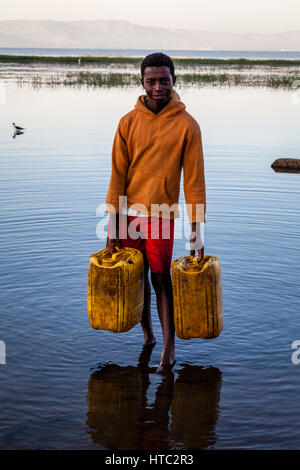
<point x="165" y="368"/>
<point x="168" y="358"/>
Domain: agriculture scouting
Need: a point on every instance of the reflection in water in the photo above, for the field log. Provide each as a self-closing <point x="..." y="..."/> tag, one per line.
<point x="286" y="170"/>
<point x="17" y="133"/>
<point x="183" y="415"/>
<point x="195" y="407"/>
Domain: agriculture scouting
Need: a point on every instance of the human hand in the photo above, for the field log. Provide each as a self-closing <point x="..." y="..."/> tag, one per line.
<point x="200" y="254"/>
<point x="113" y="237"/>
<point x="196" y="242"/>
<point x="113" y="244"/>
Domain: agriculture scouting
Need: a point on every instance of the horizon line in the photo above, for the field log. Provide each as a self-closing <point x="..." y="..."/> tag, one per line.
<point x="163" y="27"/>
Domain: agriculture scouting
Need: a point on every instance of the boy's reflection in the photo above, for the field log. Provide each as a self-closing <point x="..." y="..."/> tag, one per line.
<point x="120" y="417"/>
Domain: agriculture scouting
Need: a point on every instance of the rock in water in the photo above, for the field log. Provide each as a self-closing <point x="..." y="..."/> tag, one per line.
<point x="286" y="164"/>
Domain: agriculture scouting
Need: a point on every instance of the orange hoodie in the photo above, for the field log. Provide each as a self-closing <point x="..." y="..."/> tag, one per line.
<point x="149" y="152"/>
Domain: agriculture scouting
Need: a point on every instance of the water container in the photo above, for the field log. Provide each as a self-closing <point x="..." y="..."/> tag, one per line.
<point x="116" y="289"/>
<point x="197" y="294"/>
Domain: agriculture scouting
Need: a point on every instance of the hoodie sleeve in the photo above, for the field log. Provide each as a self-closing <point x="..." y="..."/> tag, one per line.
<point x="194" y="176"/>
<point x="119" y="167"/>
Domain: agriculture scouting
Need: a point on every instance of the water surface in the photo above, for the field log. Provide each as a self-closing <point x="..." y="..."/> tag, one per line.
<point x="142" y="52"/>
<point x="67" y="386"/>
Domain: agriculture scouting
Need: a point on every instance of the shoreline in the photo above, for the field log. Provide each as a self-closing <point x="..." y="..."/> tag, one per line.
<point x="109" y="80"/>
<point x="119" y="71"/>
<point x="120" y="59"/>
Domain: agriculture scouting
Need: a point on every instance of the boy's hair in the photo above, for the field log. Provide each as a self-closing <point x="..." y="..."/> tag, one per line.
<point x="157" y="59"/>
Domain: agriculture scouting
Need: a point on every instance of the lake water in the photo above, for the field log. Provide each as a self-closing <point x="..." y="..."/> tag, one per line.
<point x="142" y="52"/>
<point x="67" y="386"/>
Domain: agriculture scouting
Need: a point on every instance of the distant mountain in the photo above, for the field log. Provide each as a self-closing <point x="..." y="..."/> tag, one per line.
<point x="103" y="34"/>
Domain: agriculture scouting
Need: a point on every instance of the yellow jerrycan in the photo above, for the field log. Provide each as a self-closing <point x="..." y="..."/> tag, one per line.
<point x="116" y="289"/>
<point x="197" y="297"/>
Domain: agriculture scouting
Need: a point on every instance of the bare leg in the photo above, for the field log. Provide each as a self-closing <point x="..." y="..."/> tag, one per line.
<point x="146" y="322"/>
<point x="162" y="284"/>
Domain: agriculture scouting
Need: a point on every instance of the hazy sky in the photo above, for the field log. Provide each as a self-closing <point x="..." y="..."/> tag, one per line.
<point x="206" y="15"/>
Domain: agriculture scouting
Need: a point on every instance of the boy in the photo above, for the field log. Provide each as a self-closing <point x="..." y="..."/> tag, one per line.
<point x="152" y="144"/>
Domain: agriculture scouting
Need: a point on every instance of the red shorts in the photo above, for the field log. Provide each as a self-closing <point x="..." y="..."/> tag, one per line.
<point x="152" y="235"/>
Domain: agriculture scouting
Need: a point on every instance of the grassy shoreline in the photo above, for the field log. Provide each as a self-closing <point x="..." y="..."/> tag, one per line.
<point x="124" y="60"/>
<point x="125" y="79"/>
<point x="216" y="72"/>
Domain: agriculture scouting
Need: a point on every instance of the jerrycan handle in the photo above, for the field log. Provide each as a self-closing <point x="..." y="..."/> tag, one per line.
<point x="109" y="260"/>
<point x="194" y="261"/>
<point x="115" y="255"/>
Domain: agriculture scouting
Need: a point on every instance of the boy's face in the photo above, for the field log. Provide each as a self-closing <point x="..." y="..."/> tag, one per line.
<point x="158" y="83"/>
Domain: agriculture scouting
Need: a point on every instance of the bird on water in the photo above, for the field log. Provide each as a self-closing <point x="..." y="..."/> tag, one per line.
<point x="18" y="128"/>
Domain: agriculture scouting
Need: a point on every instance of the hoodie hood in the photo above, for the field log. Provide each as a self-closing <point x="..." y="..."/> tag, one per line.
<point x="173" y="107"/>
